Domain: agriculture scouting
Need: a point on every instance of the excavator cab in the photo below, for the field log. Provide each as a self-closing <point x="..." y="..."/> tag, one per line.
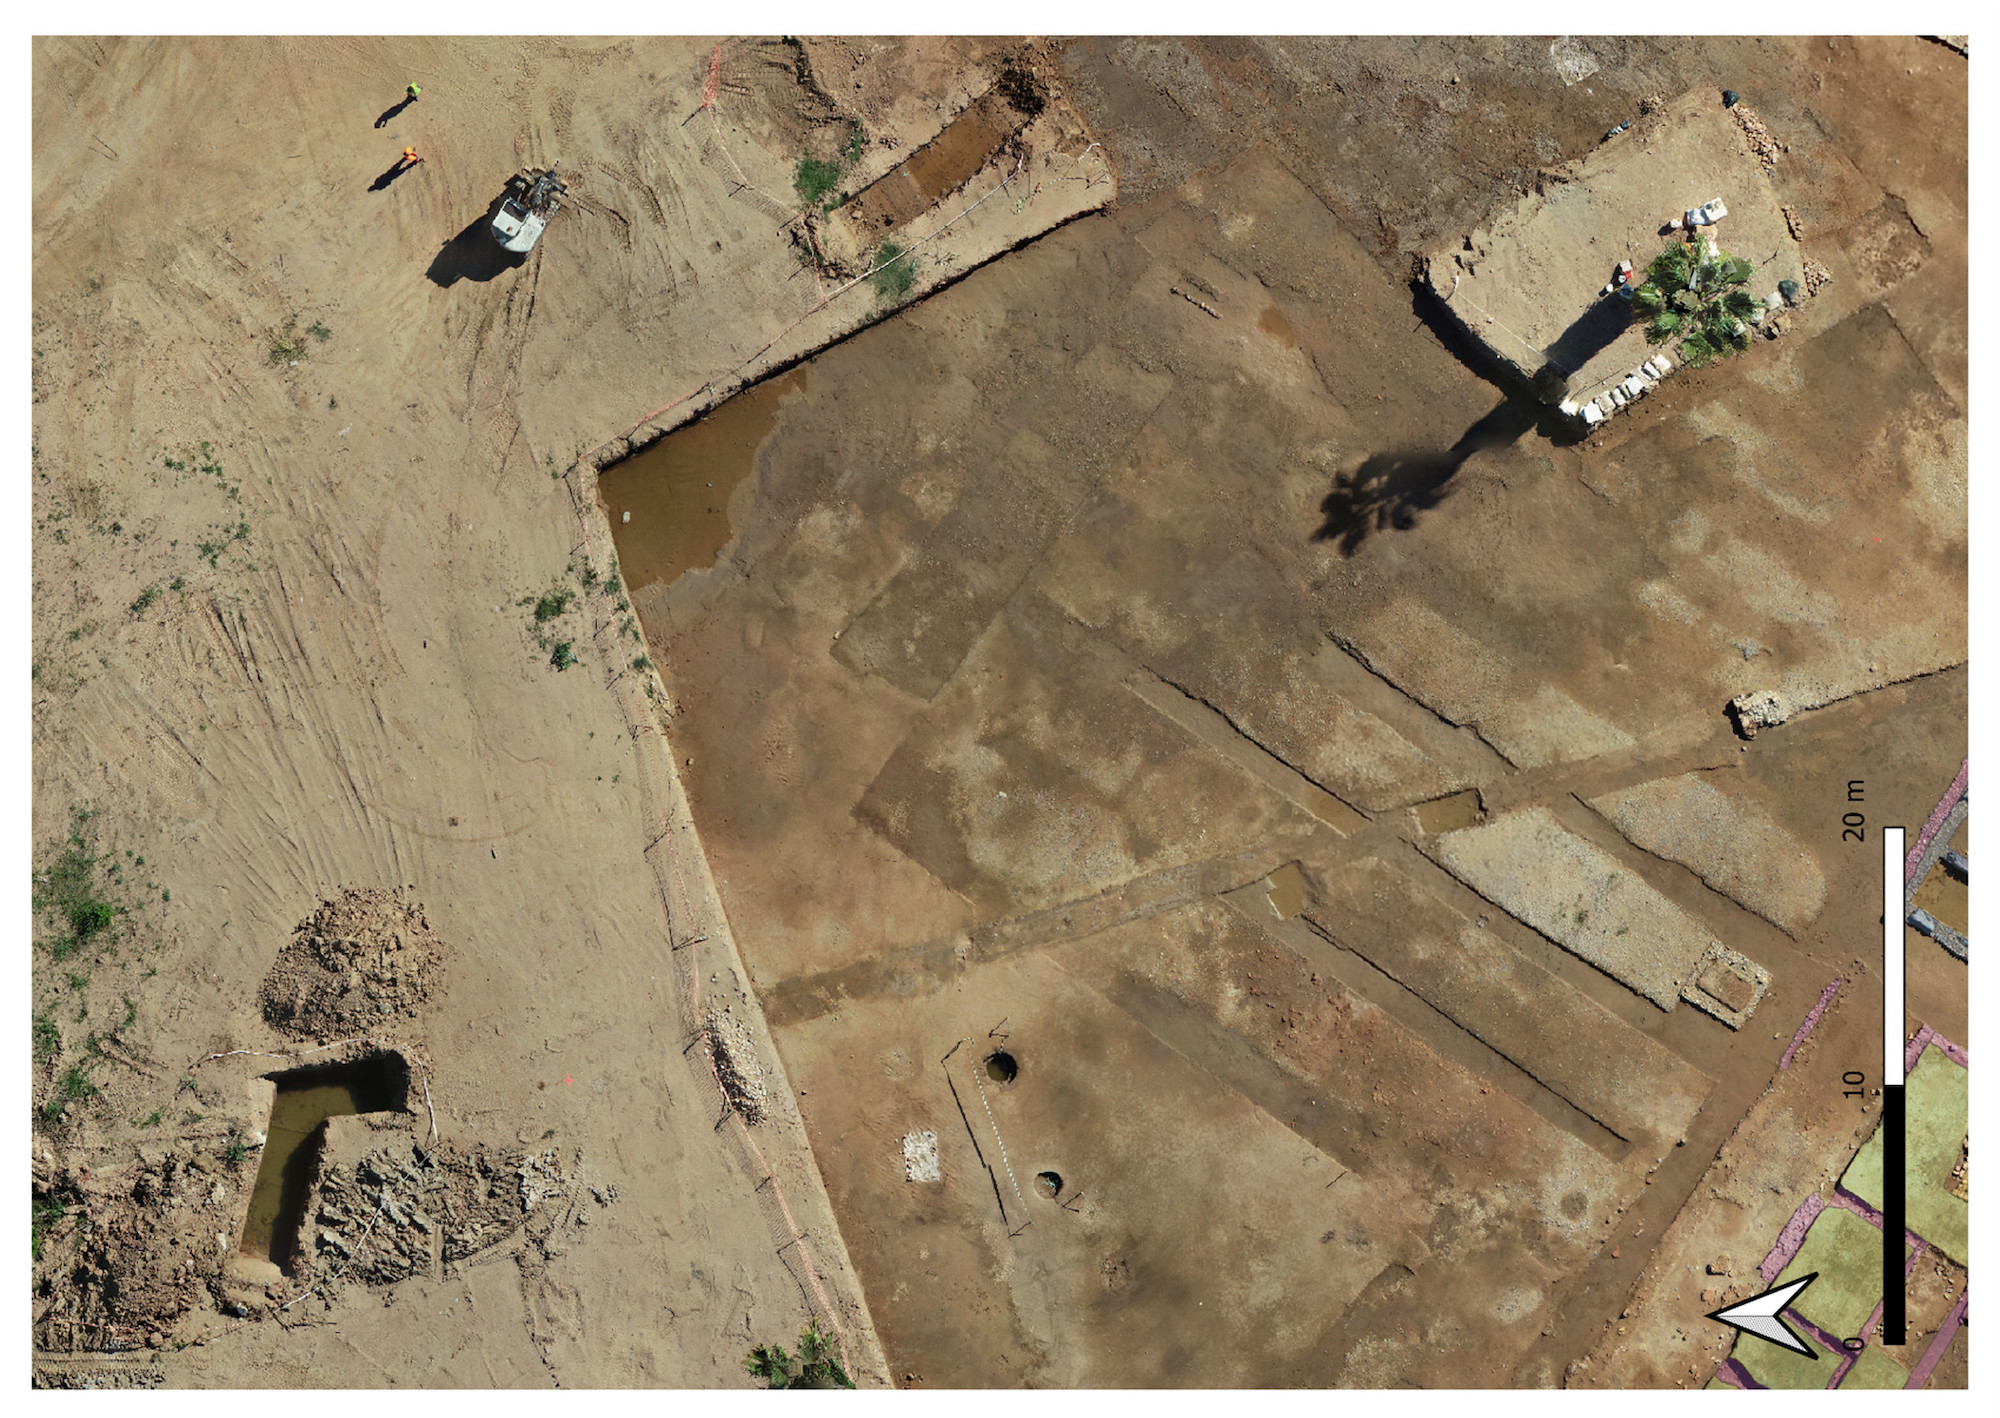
<point x="533" y="196"/>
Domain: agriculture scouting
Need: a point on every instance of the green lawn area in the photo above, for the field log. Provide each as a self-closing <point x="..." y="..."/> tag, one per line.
<point x="1936" y="1099"/>
<point x="1847" y="1253"/>
<point x="1781" y="1368"/>
<point x="1874" y="1369"/>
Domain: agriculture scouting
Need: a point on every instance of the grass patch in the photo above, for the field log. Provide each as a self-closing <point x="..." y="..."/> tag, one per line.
<point x="152" y="1119"/>
<point x="814" y="178"/>
<point x="897" y="273"/>
<point x="319" y="331"/>
<point x="68" y="890"/>
<point x="146" y="599"/>
<point x="550" y="604"/>
<point x="73" y="1086"/>
<point x="47" y="1036"/>
<point x="47" y="1211"/>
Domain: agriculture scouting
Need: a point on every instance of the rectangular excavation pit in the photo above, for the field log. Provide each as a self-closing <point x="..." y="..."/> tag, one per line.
<point x="937" y="169"/>
<point x="306" y="1098"/>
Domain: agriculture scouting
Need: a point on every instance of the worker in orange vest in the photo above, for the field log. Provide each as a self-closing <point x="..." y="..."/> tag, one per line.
<point x="410" y="158"/>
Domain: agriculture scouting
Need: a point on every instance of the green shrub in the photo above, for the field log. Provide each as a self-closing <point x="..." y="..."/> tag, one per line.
<point x="816" y="1365"/>
<point x="1695" y="294"/>
<point x="551" y="604"/>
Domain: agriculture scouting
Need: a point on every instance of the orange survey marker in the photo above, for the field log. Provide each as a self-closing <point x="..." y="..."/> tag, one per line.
<point x="714" y="78"/>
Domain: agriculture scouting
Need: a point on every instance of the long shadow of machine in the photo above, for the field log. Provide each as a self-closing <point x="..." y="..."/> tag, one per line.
<point x="473" y="255"/>
<point x="1391" y="490"/>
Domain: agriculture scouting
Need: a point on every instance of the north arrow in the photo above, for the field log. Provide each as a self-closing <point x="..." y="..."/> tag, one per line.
<point x="1758" y="1315"/>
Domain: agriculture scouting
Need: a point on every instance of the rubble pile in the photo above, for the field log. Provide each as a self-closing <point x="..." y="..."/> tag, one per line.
<point x="400" y="1211"/>
<point x="735" y="1055"/>
<point x="1758" y="136"/>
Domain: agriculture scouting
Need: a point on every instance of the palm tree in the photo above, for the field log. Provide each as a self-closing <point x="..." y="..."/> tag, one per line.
<point x="815" y="1366"/>
<point x="1695" y="294"/>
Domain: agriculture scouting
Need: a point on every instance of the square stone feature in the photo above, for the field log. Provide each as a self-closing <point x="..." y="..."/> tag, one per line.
<point x="1729" y="985"/>
<point x="1874" y="1369"/>
<point x="1936" y="1098"/>
<point x="1581" y="898"/>
<point x="1847" y="1253"/>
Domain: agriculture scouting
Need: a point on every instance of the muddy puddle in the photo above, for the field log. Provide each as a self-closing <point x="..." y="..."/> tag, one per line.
<point x="1449" y="814"/>
<point x="1287" y="889"/>
<point x="1273" y="323"/>
<point x="935" y="170"/>
<point x="669" y="505"/>
<point x="306" y="1099"/>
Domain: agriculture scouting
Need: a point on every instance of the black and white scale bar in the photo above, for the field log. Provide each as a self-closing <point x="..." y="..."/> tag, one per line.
<point x="1894" y="909"/>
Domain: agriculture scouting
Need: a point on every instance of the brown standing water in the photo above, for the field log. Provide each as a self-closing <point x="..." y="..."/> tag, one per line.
<point x="306" y="1099"/>
<point x="1287" y="889"/>
<point x="669" y="506"/>
<point x="1449" y="814"/>
<point x="1273" y="323"/>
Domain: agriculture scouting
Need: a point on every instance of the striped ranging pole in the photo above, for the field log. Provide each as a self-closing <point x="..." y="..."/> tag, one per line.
<point x="1894" y="909"/>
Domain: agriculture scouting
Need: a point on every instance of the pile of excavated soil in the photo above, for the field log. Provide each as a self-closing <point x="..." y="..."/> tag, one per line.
<point x="361" y="956"/>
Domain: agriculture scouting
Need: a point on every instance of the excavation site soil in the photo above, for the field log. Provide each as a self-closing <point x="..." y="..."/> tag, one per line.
<point x="1034" y="756"/>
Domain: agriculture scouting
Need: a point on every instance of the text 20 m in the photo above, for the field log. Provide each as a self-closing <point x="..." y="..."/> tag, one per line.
<point x="1854" y="827"/>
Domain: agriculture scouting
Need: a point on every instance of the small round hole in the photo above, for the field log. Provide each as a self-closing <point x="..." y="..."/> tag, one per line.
<point x="1050" y="1184"/>
<point x="1000" y="1066"/>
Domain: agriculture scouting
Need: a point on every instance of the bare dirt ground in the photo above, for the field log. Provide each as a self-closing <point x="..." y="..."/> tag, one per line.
<point x="1158" y="562"/>
<point x="1089" y="653"/>
<point x="299" y="438"/>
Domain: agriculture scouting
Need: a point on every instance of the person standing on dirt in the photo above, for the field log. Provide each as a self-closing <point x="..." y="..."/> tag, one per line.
<point x="410" y="158"/>
<point x="415" y="92"/>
